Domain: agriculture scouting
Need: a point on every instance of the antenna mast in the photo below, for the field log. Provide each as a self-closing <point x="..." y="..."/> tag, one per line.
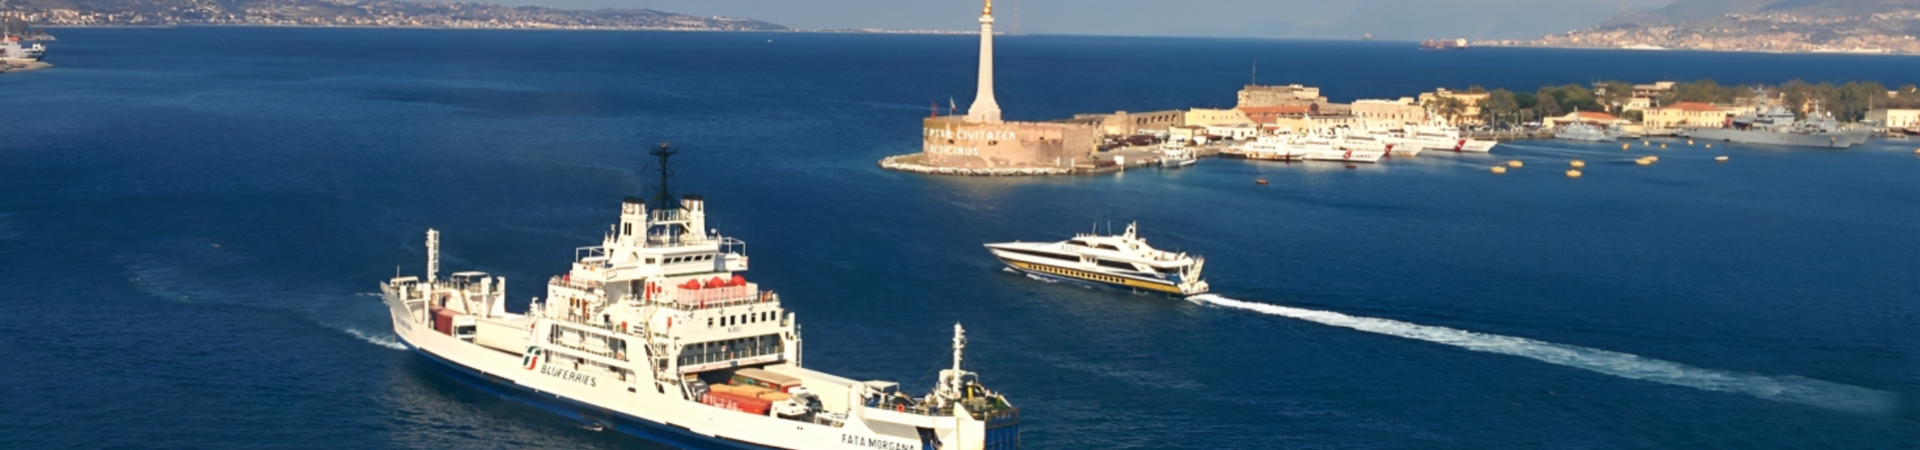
<point x="662" y="199"/>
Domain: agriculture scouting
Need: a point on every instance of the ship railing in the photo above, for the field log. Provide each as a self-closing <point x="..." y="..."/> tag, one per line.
<point x="563" y="281"/>
<point x="910" y="408"/>
<point x="720" y="297"/>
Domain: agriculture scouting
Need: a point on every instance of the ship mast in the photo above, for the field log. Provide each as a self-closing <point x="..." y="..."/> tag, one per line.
<point x="662" y="198"/>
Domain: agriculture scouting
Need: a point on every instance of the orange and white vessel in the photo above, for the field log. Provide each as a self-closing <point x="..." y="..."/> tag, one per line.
<point x="657" y="332"/>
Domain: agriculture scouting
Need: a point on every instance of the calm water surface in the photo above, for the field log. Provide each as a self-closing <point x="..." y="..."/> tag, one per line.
<point x="192" y="222"/>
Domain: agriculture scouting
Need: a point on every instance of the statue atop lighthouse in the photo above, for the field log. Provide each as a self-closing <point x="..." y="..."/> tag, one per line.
<point x="984" y="109"/>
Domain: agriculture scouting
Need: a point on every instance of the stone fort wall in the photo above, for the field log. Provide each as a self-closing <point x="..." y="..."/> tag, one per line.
<point x="953" y="142"/>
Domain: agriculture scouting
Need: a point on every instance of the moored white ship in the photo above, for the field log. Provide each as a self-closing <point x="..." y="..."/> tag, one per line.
<point x="1439" y="136"/>
<point x="1124" y="261"/>
<point x="14" y="52"/>
<point x="656" y="333"/>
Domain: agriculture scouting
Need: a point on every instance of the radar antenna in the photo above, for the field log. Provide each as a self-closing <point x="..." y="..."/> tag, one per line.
<point x="662" y="199"/>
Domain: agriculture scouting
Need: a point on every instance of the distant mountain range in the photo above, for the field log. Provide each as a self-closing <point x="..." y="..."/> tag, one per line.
<point x="356" y="13"/>
<point x="1854" y="26"/>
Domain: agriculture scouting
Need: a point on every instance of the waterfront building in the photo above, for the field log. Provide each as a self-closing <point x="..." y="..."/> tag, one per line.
<point x="1685" y="115"/>
<point x="1317" y="124"/>
<point x="1895" y="118"/>
<point x="1266" y="115"/>
<point x="1207" y="117"/>
<point x="1122" y="123"/>
<point x="1469" y="101"/>
<point x="980" y="139"/>
<point x="1403" y="111"/>
<point x="1289" y="95"/>
<point x="1240" y="131"/>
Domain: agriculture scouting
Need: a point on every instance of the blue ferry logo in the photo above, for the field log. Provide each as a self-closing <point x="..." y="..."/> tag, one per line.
<point x="532" y="359"/>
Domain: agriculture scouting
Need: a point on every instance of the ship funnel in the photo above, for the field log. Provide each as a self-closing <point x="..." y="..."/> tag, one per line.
<point x="693" y="203"/>
<point x="633" y="218"/>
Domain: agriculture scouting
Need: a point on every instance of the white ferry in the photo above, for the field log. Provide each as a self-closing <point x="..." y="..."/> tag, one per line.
<point x="1124" y="261"/>
<point x="1175" y="155"/>
<point x="1437" y="135"/>
<point x="656" y="333"/>
<point x="12" y="51"/>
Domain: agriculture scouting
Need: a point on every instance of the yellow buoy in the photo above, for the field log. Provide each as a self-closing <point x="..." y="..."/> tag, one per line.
<point x="1689" y="142"/>
<point x="1720" y="158"/>
<point x="1515" y="163"/>
<point x="1644" y="143"/>
<point x="1578" y="164"/>
<point x="1499" y="170"/>
<point x="1625" y="145"/>
<point x="1573" y="174"/>
<point x="1711" y="146"/>
<point x="1663" y="146"/>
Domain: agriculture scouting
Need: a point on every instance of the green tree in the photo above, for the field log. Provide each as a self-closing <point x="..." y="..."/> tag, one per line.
<point x="1499" y="107"/>
<point x="1548" y="107"/>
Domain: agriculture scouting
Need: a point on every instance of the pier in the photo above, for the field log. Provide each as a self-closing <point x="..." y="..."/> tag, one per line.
<point x="1121" y="159"/>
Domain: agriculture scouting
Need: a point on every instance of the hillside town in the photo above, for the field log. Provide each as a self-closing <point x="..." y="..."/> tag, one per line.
<point x="1779" y="32"/>
<point x="362" y="13"/>
<point x="1651" y="109"/>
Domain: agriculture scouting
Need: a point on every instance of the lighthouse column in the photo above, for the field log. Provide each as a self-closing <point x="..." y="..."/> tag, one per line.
<point x="984" y="109"/>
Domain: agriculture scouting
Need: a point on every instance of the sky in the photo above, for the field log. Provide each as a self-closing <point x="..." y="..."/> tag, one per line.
<point x="1326" y="19"/>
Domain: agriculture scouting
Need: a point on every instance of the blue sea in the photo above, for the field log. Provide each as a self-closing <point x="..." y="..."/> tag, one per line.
<point x="193" y="222"/>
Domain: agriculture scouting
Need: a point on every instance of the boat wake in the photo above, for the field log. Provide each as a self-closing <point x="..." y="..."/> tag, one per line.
<point x="1791" y="389"/>
<point x="380" y="339"/>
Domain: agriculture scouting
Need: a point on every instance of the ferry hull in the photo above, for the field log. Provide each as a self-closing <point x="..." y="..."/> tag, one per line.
<point x="626" y="406"/>
<point x="1084" y="277"/>
<point x="576" y="411"/>
<point x="1824" y="140"/>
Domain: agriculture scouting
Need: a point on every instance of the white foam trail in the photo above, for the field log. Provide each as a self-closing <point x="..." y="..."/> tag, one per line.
<point x="1790" y="389"/>
<point x="380" y="339"/>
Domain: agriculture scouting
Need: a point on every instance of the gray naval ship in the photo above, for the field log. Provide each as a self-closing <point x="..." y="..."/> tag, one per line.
<point x="1775" y="125"/>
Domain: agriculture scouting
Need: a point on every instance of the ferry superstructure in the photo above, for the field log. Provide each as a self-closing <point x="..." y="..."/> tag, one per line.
<point x="1124" y="261"/>
<point x="1437" y="135"/>
<point x="13" y="51"/>
<point x="656" y="332"/>
<point x="1582" y="131"/>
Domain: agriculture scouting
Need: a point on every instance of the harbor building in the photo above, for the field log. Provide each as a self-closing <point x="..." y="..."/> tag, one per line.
<point x="1266" y="115"/>
<point x="1895" y="118"/>
<point x="1122" y="123"/>
<point x="1685" y="115"/>
<point x="1207" y="117"/>
<point x="1289" y="95"/>
<point x="1469" y="102"/>
<point x="1403" y="111"/>
<point x="981" y="140"/>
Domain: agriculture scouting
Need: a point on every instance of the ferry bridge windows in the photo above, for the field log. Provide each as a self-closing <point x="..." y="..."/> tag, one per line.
<point x="626" y="229"/>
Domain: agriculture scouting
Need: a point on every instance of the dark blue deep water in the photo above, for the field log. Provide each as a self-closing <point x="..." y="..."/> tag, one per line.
<point x="192" y="220"/>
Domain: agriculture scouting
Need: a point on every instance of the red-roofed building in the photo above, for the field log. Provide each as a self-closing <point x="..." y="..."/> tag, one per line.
<point x="1686" y="115"/>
